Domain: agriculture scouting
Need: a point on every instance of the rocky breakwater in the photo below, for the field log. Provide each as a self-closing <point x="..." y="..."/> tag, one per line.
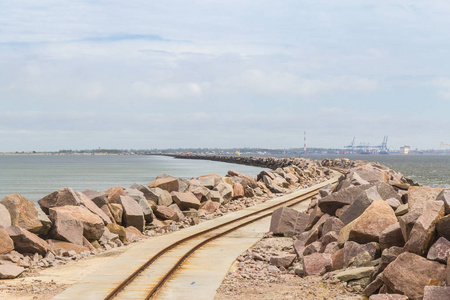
<point x="69" y="225"/>
<point x="375" y="231"/>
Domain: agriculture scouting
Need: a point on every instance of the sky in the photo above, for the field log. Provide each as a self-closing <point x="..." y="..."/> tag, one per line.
<point x="163" y="74"/>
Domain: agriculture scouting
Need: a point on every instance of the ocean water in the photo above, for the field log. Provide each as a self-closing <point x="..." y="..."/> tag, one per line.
<point x="35" y="176"/>
<point x="429" y="170"/>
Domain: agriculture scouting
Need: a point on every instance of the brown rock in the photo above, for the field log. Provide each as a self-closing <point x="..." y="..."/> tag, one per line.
<point x="27" y="242"/>
<point x="119" y="230"/>
<point x="45" y="221"/>
<point x="238" y="191"/>
<point x="394" y="203"/>
<point x="185" y="200"/>
<point x="165" y="213"/>
<point x="287" y="220"/>
<point x="409" y="273"/>
<point x="200" y="192"/>
<point x="66" y="228"/>
<point x="436" y="292"/>
<point x="445" y="196"/>
<point x="178" y="211"/>
<point x="387" y="256"/>
<point x="440" y="250"/>
<point x="386" y="191"/>
<point x="423" y="231"/>
<point x="89" y="204"/>
<point x="114" y="193"/>
<point x="6" y="243"/>
<point x="169" y="184"/>
<point x="210" y="206"/>
<point x="225" y="190"/>
<point x="388" y="297"/>
<point x="392" y="236"/>
<point x="374" y="286"/>
<point x="443" y="227"/>
<point x="59" y="198"/>
<point x="407" y="222"/>
<point x="23" y="212"/>
<point x="92" y="224"/>
<point x="132" y="213"/>
<point x="66" y="246"/>
<point x="117" y="212"/>
<point x="360" y="204"/>
<point x="282" y="260"/>
<point x="419" y="195"/>
<point x="338" y="260"/>
<point x="5" y="217"/>
<point x="317" y="264"/>
<point x="10" y="271"/>
<point x="215" y="196"/>
<point x="332" y="224"/>
<point x="245" y="180"/>
<point x="352" y="249"/>
<point x="370" y="173"/>
<point x="331" y="203"/>
<point x="133" y="234"/>
<point x="99" y="198"/>
<point x="314" y="247"/>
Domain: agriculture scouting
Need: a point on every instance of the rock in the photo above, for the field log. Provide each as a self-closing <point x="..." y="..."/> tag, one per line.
<point x="92" y="224"/>
<point x="369" y="226"/>
<point x="331" y="203"/>
<point x="200" y="192"/>
<point x="337" y="260"/>
<point x="185" y="200"/>
<point x="59" y="198"/>
<point x="440" y="250"/>
<point x="178" y="211"/>
<point x="119" y="230"/>
<point x="183" y="185"/>
<point x="392" y="236"/>
<point x="386" y="191"/>
<point x="353" y="274"/>
<point x="45" y="221"/>
<point x="207" y="181"/>
<point x="283" y="260"/>
<point x="360" y="204"/>
<point x="394" y="203"/>
<point x="332" y="224"/>
<point x="330" y="237"/>
<point x="215" y="196"/>
<point x="117" y="212"/>
<point x="314" y="216"/>
<point x="419" y="195"/>
<point x="144" y="190"/>
<point x="312" y="248"/>
<point x="387" y="256"/>
<point x="92" y="207"/>
<point x="388" y="297"/>
<point x="133" y="234"/>
<point x="407" y="222"/>
<point x="443" y="227"/>
<point x="357" y="180"/>
<point x="5" y="217"/>
<point x="66" y="246"/>
<point x="436" y="292"/>
<point x="23" y="212"/>
<point x="109" y="237"/>
<point x="401" y="210"/>
<point x="132" y="213"/>
<point x="285" y="219"/>
<point x="99" y="198"/>
<point x="248" y="192"/>
<point x="165" y="213"/>
<point x="245" y="180"/>
<point x="238" y="191"/>
<point x="169" y="184"/>
<point x="225" y="190"/>
<point x="374" y="286"/>
<point x="409" y="273"/>
<point x="370" y="173"/>
<point x="143" y="203"/>
<point x="330" y="248"/>
<point x="210" y="206"/>
<point x="352" y="249"/>
<point x="445" y="196"/>
<point x="317" y="264"/>
<point x="423" y="231"/>
<point x="6" y="243"/>
<point x="114" y="193"/>
<point x="27" y="242"/>
<point x="10" y="271"/>
<point x="190" y="213"/>
<point x="66" y="228"/>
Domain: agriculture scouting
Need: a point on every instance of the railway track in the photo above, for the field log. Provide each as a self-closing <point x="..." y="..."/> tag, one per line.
<point x="146" y="281"/>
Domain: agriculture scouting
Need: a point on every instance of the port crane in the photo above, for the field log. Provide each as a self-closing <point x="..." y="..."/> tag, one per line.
<point x="444" y="144"/>
<point x="351" y="145"/>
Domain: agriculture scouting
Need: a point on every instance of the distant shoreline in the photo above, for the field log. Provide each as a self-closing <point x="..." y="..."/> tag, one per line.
<point x="62" y="154"/>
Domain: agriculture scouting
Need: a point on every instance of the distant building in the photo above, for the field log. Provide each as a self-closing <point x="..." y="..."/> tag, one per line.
<point x="405" y="149"/>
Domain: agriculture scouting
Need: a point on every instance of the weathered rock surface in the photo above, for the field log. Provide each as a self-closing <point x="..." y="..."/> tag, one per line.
<point x="407" y="222"/>
<point x="445" y="196"/>
<point x="66" y="246"/>
<point x="225" y="190"/>
<point x="6" y="243"/>
<point x="185" y="200"/>
<point x="160" y="196"/>
<point x="5" y="217"/>
<point x="388" y="297"/>
<point x="132" y="213"/>
<point x="10" y="271"/>
<point x="66" y="228"/>
<point x="282" y="260"/>
<point x="360" y="204"/>
<point x="443" y="227"/>
<point x="317" y="264"/>
<point x="419" y="195"/>
<point x="354" y="274"/>
<point x="440" y="250"/>
<point x="169" y="184"/>
<point x="59" y="198"/>
<point x="238" y="191"/>
<point x="210" y="206"/>
<point x="352" y="249"/>
<point x="119" y="230"/>
<point x="287" y="220"/>
<point x="423" y="231"/>
<point x="117" y="212"/>
<point x="114" y="193"/>
<point x="392" y="236"/>
<point x="165" y="213"/>
<point x="436" y="292"/>
<point x="23" y="212"/>
<point x="138" y="196"/>
<point x="45" y="221"/>
<point x="331" y="203"/>
<point x="409" y="273"/>
<point x="27" y="242"/>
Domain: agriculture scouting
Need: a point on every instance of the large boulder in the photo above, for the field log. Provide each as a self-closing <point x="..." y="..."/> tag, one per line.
<point x="407" y="222"/>
<point x="225" y="190"/>
<point x="352" y="249"/>
<point x="286" y="220"/>
<point x="8" y="271"/>
<point x="62" y="197"/>
<point x="93" y="226"/>
<point x="132" y="213"/>
<point x="45" y="221"/>
<point x="92" y="207"/>
<point x="160" y="196"/>
<point x="392" y="236"/>
<point x="210" y="181"/>
<point x="119" y="230"/>
<point x="423" y="231"/>
<point x="116" y="212"/>
<point x="445" y="196"/>
<point x="114" y="193"/>
<point x="370" y="173"/>
<point x="238" y="190"/>
<point x="245" y="180"/>
<point x="331" y="203"/>
<point x="27" y="242"/>
<point x="436" y="292"/>
<point x="169" y="184"/>
<point x="65" y="227"/>
<point x="164" y="213"/>
<point x="5" y="216"/>
<point x="23" y="212"/>
<point x="419" y="195"/>
<point x="369" y="226"/>
<point x="317" y="264"/>
<point x="138" y="196"/>
<point x="409" y="273"/>
<point x="6" y="243"/>
<point x="440" y="250"/>
<point x="386" y="191"/>
<point x="185" y="200"/>
<point x="66" y="246"/>
<point x="360" y="204"/>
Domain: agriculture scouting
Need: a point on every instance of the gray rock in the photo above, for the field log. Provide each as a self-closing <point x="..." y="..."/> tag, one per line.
<point x="331" y="203"/>
<point x="138" y="196"/>
<point x="440" y="250"/>
<point x="132" y="213"/>
<point x="353" y="274"/>
<point x="360" y="204"/>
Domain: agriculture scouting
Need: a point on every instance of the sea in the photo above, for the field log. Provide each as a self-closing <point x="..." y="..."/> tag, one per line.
<point x="34" y="176"/>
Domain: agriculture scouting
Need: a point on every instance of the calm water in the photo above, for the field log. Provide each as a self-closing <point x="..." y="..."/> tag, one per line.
<point x="36" y="176"/>
<point x="430" y="170"/>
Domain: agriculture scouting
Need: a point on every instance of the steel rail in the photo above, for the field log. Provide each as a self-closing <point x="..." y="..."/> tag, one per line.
<point x="119" y="288"/>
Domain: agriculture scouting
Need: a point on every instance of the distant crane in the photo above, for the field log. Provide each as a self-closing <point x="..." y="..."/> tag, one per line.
<point x="351" y="145"/>
<point x="383" y="146"/>
<point x="444" y="144"/>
